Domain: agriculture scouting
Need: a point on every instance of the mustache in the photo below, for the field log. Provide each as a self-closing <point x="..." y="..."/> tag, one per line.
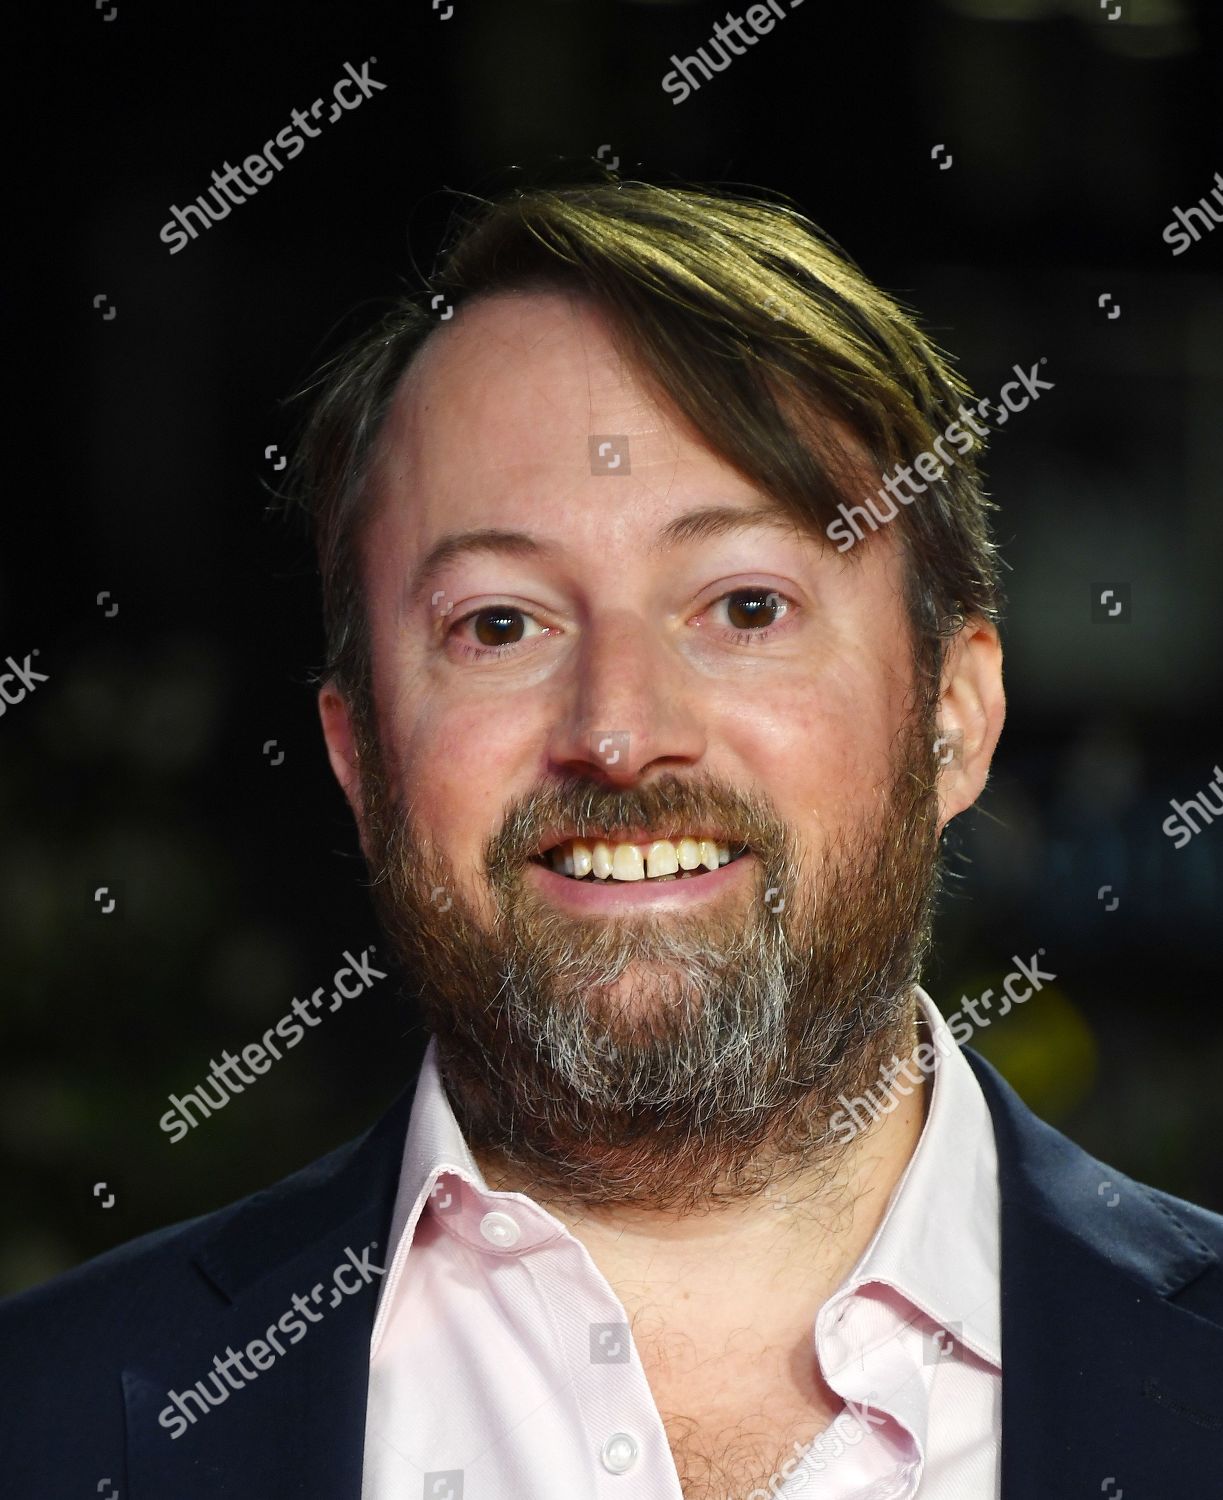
<point x="670" y="801"/>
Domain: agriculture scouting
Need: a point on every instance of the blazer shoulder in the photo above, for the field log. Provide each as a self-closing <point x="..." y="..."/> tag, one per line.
<point x="1163" y="1240"/>
<point x="116" y="1297"/>
<point x="1204" y="1222"/>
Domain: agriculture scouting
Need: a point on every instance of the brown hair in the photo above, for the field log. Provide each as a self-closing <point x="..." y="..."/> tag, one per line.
<point x="740" y="312"/>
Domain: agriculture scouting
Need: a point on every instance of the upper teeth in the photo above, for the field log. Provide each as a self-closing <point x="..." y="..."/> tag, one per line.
<point x="580" y="857"/>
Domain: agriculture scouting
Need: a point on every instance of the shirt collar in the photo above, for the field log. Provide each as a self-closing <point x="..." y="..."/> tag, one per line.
<point x="433" y="1146"/>
<point x="938" y="1243"/>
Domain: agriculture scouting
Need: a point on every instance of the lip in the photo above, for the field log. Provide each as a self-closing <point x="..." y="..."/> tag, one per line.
<point x="612" y="895"/>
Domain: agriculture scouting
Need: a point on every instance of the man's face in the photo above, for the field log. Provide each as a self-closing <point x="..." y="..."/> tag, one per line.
<point x="658" y="653"/>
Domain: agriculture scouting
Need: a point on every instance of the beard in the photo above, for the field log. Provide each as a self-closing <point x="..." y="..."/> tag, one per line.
<point x="672" y="1060"/>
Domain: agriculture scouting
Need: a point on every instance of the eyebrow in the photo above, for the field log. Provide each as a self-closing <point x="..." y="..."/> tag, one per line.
<point x="694" y="525"/>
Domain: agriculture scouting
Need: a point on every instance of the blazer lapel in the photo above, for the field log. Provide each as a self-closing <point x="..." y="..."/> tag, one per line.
<point x="1107" y="1384"/>
<point x="296" y="1428"/>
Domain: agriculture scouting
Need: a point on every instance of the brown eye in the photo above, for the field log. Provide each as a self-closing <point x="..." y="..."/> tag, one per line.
<point x="498" y="626"/>
<point x="752" y="609"/>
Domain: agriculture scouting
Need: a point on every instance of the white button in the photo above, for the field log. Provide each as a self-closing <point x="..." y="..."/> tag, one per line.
<point x="619" y="1453"/>
<point x="500" y="1230"/>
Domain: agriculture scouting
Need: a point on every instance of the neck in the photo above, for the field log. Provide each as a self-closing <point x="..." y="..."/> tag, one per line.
<point x="811" y="1218"/>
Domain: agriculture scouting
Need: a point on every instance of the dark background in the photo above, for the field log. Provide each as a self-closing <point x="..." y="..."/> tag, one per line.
<point x="137" y="455"/>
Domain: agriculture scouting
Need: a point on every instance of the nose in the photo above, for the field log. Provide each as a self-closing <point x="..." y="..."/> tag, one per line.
<point x="629" y="705"/>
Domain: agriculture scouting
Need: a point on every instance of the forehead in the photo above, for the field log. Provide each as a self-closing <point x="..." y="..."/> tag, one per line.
<point x="501" y="352"/>
<point x="499" y="422"/>
<point x="512" y="392"/>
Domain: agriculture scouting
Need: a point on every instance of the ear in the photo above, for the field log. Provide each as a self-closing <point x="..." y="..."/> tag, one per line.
<point x="971" y="709"/>
<point x="342" y="749"/>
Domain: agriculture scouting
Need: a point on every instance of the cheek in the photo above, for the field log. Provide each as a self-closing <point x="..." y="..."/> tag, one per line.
<point x="458" y="769"/>
<point x="451" y="761"/>
<point x="820" y="748"/>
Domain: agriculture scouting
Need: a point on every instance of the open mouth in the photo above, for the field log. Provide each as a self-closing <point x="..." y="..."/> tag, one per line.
<point x="657" y="860"/>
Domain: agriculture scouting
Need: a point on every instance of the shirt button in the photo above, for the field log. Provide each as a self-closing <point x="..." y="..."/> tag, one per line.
<point x="500" y="1230"/>
<point x="619" y="1453"/>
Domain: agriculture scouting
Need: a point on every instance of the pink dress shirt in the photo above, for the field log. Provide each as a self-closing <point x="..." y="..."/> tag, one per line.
<point x="502" y="1366"/>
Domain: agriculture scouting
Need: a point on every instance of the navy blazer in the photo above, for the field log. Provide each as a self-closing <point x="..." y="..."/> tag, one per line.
<point x="1112" y="1337"/>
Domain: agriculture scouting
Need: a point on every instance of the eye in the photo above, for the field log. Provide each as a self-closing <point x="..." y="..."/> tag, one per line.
<point x="753" y="613"/>
<point x="495" y="626"/>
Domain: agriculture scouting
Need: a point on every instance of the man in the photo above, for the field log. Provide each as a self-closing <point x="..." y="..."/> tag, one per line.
<point x="693" y="1192"/>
